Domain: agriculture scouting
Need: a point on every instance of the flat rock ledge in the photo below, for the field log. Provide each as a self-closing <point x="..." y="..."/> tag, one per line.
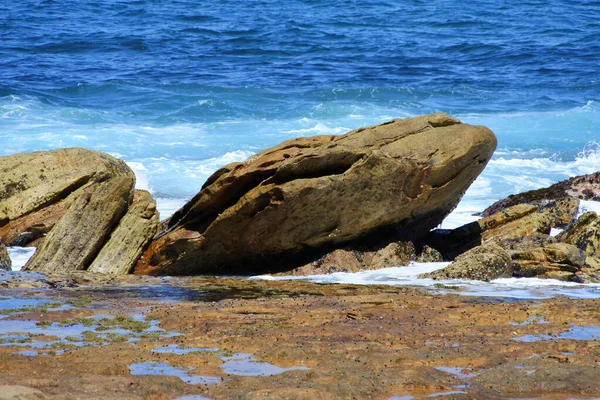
<point x="293" y="203"/>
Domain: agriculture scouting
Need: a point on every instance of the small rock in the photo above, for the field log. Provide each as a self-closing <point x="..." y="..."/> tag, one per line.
<point x="482" y="263"/>
<point x="5" y="262"/>
<point x="429" y="254"/>
<point x="585" y="234"/>
<point x="556" y="261"/>
<point x="584" y="187"/>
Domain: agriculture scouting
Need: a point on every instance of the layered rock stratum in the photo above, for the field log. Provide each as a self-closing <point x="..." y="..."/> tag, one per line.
<point x="298" y="200"/>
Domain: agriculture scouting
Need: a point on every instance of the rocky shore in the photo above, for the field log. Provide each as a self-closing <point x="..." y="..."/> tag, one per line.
<point x="140" y="337"/>
<point x="77" y="323"/>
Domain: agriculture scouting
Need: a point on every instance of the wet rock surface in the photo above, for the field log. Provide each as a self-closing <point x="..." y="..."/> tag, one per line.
<point x="240" y="339"/>
<point x="293" y="203"/>
<point x="584" y="187"/>
<point x="394" y="254"/>
<point x="482" y="263"/>
<point x="556" y="261"/>
<point x="5" y="262"/>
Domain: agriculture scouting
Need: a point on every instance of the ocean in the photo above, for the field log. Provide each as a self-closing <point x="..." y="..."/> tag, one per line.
<point x="179" y="88"/>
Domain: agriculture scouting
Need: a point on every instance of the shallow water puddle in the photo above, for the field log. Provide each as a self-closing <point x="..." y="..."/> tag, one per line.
<point x="176" y="349"/>
<point x="165" y="369"/>
<point x="574" y="333"/>
<point x="243" y="364"/>
<point x="457" y="371"/>
<point x="15" y="305"/>
<point x="534" y="319"/>
<point x="97" y="330"/>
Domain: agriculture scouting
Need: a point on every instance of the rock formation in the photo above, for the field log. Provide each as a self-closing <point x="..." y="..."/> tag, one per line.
<point x="556" y="261"/>
<point x="68" y="202"/>
<point x="394" y="254"/>
<point x="306" y="196"/>
<point x="130" y="238"/>
<point x="584" y="187"/>
<point x="483" y="263"/>
<point x="5" y="262"/>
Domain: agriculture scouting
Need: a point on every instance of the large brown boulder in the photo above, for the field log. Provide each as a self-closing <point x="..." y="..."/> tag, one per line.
<point x="72" y="198"/>
<point x="37" y="189"/>
<point x="305" y="196"/>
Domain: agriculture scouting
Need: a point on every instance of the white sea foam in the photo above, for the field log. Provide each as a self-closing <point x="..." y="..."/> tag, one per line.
<point x="19" y="256"/>
<point x="588" y="205"/>
<point x="166" y="207"/>
<point x="521" y="288"/>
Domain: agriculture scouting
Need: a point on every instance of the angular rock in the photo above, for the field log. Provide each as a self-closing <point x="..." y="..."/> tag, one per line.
<point x="584" y="187"/>
<point x="428" y="255"/>
<point x="131" y="237"/>
<point x="513" y="223"/>
<point x="585" y="234"/>
<point x="482" y="263"/>
<point x="562" y="212"/>
<point x="37" y="189"/>
<point x="557" y="261"/>
<point x="79" y="235"/>
<point x="305" y="196"/>
<point x="394" y="254"/>
<point x="527" y="242"/>
<point x="5" y="262"/>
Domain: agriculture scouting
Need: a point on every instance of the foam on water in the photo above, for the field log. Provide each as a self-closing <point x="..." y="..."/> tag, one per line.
<point x="519" y="288"/>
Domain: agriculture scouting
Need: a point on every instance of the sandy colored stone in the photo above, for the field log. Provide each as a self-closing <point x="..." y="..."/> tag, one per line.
<point x="305" y="195"/>
<point x="512" y="224"/>
<point x="482" y="263"/>
<point x="5" y="262"/>
<point x="556" y="261"/>
<point x="585" y="234"/>
<point x="130" y="238"/>
<point x="16" y="392"/>
<point x="79" y="235"/>
<point x="584" y="187"/>
<point x="37" y="188"/>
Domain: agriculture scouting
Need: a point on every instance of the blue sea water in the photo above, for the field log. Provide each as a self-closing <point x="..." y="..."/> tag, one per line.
<point x="178" y="88"/>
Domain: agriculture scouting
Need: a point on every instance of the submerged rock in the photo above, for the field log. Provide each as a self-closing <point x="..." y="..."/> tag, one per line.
<point x="482" y="263"/>
<point x="306" y="196"/>
<point x="5" y="263"/>
<point x="556" y="261"/>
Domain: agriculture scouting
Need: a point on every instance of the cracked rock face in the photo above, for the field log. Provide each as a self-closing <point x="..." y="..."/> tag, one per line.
<point x="66" y="202"/>
<point x="308" y="195"/>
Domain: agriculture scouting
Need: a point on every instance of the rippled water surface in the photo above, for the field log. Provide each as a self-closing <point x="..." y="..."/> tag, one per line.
<point x="179" y="88"/>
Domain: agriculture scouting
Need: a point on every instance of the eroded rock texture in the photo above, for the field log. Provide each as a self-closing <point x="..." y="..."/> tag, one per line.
<point x="67" y="202"/>
<point x="306" y="196"/>
<point x="5" y="262"/>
